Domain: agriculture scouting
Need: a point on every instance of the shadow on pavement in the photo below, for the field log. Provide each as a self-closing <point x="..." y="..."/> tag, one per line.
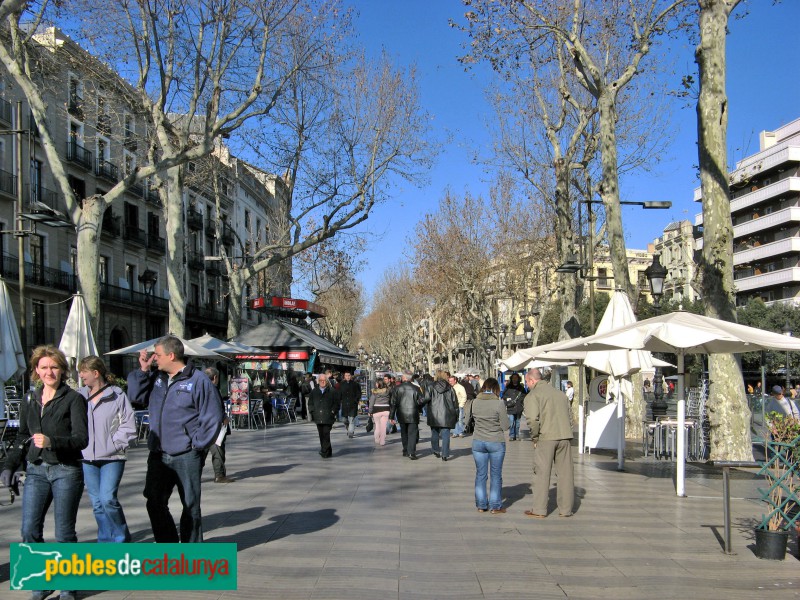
<point x="281" y="526"/>
<point x="262" y="471"/>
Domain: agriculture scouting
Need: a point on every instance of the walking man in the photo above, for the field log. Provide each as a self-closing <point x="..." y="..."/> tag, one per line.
<point x="461" y="397"/>
<point x="185" y="418"/>
<point x="217" y="449"/>
<point x="549" y="419"/>
<point x="350" y="394"/>
<point x="405" y="401"/>
<point x="323" y="405"/>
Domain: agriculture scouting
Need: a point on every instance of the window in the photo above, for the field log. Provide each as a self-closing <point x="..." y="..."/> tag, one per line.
<point x="102" y="269"/>
<point x="36" y="180"/>
<point x="38" y="324"/>
<point x="130" y="128"/>
<point x="103" y="118"/>
<point x="212" y="299"/>
<point x="103" y="149"/>
<point x="78" y="187"/>
<point x="247" y="221"/>
<point x="37" y="252"/>
<point x="75" y="133"/>
<point x="73" y="259"/>
<point x="75" y="94"/>
<point x="258" y="231"/>
<point x="195" y="295"/>
<point x="602" y="278"/>
<point x="153" y="225"/>
<point x="130" y="276"/>
<point x="131" y="215"/>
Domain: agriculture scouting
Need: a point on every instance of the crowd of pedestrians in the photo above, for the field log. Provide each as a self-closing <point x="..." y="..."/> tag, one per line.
<point x="69" y="438"/>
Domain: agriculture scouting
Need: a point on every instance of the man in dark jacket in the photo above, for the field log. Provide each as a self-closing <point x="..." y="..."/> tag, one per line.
<point x="440" y="400"/>
<point x="350" y="394"/>
<point x="323" y="405"/>
<point x="405" y="402"/>
<point x="514" y="399"/>
<point x="185" y="418"/>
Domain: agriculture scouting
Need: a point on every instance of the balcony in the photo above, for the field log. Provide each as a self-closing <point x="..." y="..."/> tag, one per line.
<point x="156" y="243"/>
<point x="206" y="314"/>
<point x="227" y="235"/>
<point x="152" y="196"/>
<point x="780" y="218"/>
<point x="39" y="275"/>
<point x="79" y="155"/>
<point x="43" y="195"/>
<point x="136" y="189"/>
<point x="195" y="261"/>
<point x="754" y="281"/>
<point x="130" y="298"/>
<point x="135" y="235"/>
<point x="194" y="219"/>
<point x="6" y="112"/>
<point x="8" y="184"/>
<point x="211" y="229"/>
<point x="110" y="227"/>
<point x="214" y="268"/>
<point x="107" y="170"/>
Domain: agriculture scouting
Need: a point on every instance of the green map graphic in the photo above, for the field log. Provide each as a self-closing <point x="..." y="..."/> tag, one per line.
<point x="30" y="565"/>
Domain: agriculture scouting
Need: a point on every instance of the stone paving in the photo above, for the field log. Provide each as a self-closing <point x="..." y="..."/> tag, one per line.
<point x="371" y="524"/>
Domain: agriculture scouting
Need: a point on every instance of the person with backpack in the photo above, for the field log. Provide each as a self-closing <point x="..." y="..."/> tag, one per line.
<point x="471" y="393"/>
<point x="514" y="399"/>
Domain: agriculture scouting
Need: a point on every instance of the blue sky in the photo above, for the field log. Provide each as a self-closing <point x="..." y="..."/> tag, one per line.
<point x="763" y="94"/>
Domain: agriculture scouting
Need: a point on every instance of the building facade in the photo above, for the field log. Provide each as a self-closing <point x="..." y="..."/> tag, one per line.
<point x="765" y="210"/>
<point x="676" y="250"/>
<point x="101" y="137"/>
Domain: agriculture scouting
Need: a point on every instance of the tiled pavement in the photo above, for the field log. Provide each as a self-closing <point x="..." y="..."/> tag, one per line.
<point x="370" y="524"/>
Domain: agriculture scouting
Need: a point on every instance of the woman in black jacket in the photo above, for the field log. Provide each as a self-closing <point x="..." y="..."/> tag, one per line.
<point x="514" y="399"/>
<point x="442" y="408"/>
<point x="53" y="429"/>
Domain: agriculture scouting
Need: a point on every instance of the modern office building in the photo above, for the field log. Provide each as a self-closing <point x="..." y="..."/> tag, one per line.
<point x="765" y="209"/>
<point x="100" y="135"/>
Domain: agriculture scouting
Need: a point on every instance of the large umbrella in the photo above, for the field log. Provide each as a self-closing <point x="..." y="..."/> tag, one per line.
<point x="12" y="359"/>
<point x="209" y="342"/>
<point x="684" y="333"/>
<point x="189" y="349"/>
<point x="77" y="341"/>
<point x="620" y="364"/>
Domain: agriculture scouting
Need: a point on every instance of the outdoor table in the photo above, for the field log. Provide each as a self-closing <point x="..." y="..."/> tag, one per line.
<point x="726" y="492"/>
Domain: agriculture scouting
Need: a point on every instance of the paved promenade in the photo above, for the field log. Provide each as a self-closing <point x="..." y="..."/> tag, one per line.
<point x="370" y="524"/>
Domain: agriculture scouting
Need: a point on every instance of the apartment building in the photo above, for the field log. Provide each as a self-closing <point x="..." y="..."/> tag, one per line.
<point x="765" y="209"/>
<point x="676" y="249"/>
<point x="101" y="137"/>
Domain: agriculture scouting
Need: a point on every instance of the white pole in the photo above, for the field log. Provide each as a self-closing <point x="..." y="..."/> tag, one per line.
<point x="621" y="421"/>
<point x="680" y="479"/>
<point x="581" y="410"/>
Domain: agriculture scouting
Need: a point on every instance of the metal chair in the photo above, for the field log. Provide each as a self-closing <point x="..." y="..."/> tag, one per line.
<point x="257" y="415"/>
<point x="281" y="406"/>
<point x="142" y="419"/>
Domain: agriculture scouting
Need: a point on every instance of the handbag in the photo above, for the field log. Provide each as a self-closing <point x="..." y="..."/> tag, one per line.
<point x="370" y="425"/>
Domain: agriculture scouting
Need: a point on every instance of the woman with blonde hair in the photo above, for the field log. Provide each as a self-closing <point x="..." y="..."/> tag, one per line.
<point x="52" y="433"/>
<point x="111" y="430"/>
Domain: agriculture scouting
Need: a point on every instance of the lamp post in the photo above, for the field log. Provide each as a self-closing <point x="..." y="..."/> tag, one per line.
<point x="148" y="280"/>
<point x="787" y="330"/>
<point x="656" y="274"/>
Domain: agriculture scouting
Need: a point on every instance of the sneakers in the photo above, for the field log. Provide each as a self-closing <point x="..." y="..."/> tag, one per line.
<point x="437" y="455"/>
<point x="225" y="479"/>
<point x="445" y="458"/>
<point x="66" y="596"/>
<point x="412" y="456"/>
<point x="405" y="453"/>
<point x="41" y="595"/>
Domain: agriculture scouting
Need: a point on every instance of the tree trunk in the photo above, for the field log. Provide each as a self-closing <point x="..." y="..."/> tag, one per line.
<point x="176" y="251"/>
<point x="235" y="291"/>
<point x="728" y="412"/>
<point x="88" y="244"/>
<point x="567" y="282"/>
<point x="609" y="191"/>
<point x="635" y="410"/>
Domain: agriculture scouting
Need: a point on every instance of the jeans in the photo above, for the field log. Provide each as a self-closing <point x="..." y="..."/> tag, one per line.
<point x="381" y="419"/>
<point x="409" y="435"/>
<point x="164" y="473"/>
<point x="352" y="423"/>
<point x="102" y="479"/>
<point x="59" y="485"/>
<point x="488" y="456"/>
<point x="513" y="426"/>
<point x="460" y="428"/>
<point x="444" y="434"/>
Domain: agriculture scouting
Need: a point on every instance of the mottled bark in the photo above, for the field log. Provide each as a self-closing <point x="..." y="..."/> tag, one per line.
<point x="728" y="412"/>
<point x="635" y="409"/>
<point x="88" y="244"/>
<point x="567" y="282"/>
<point x="609" y="191"/>
<point x="176" y="250"/>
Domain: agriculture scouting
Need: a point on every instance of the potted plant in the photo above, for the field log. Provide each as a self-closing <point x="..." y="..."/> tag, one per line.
<point x="780" y="472"/>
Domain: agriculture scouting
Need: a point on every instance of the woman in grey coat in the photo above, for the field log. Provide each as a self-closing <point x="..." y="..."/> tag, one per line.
<point x="489" y="446"/>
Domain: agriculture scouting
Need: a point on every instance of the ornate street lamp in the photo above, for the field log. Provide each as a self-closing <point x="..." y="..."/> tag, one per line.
<point x="656" y="274"/>
<point x="148" y="280"/>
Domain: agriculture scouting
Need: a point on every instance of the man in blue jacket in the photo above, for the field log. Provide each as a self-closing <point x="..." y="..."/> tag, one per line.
<point x="185" y="417"/>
